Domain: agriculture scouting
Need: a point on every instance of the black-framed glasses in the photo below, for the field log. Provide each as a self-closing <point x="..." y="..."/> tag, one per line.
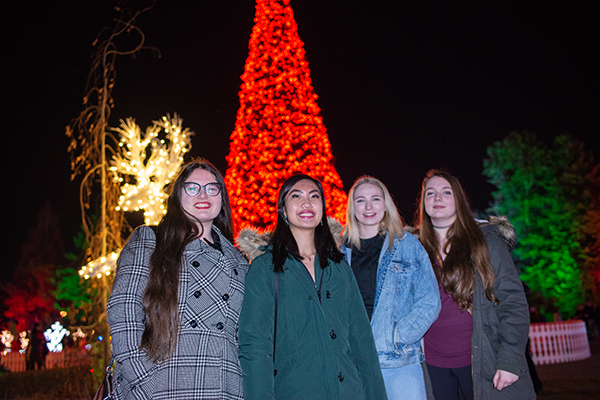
<point x="193" y="189"/>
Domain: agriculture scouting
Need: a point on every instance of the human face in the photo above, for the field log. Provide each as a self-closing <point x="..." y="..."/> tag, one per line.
<point x="369" y="209"/>
<point x="304" y="206"/>
<point x="202" y="207"/>
<point x="439" y="201"/>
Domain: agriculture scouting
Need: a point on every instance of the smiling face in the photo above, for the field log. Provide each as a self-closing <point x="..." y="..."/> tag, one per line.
<point x="369" y="209"/>
<point x="203" y="207"/>
<point x="304" y="205"/>
<point x="439" y="201"/>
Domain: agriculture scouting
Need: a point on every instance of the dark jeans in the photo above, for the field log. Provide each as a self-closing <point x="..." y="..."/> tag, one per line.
<point x="451" y="383"/>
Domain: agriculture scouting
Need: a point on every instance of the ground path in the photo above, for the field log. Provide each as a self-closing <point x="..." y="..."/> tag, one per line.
<point x="573" y="380"/>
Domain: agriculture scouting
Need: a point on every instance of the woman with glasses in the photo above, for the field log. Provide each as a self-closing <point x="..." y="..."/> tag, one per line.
<point x="304" y="332"/>
<point x="397" y="284"/>
<point x="476" y="347"/>
<point x="176" y="297"/>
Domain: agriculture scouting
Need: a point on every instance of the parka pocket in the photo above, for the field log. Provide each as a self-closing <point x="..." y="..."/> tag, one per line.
<point x="489" y="351"/>
<point x="492" y="335"/>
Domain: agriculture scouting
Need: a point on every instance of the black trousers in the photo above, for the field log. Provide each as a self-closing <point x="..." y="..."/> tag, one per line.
<point x="451" y="383"/>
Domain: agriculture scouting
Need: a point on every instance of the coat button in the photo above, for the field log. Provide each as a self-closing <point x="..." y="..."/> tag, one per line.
<point x="196" y="264"/>
<point x="310" y="297"/>
<point x="225" y="297"/>
<point x="332" y="334"/>
<point x="341" y="377"/>
<point x="197" y="293"/>
<point x="219" y="325"/>
<point x="235" y="271"/>
<point x="328" y="295"/>
<point x="193" y="324"/>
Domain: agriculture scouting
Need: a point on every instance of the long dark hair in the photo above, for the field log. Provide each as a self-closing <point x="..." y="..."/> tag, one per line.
<point x="284" y="244"/>
<point x="466" y="244"/>
<point x="174" y="232"/>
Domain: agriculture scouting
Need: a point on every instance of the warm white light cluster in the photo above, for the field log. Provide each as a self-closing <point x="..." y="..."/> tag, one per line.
<point x="23" y="341"/>
<point x="151" y="161"/>
<point x="54" y="336"/>
<point x="102" y="265"/>
<point x="7" y="338"/>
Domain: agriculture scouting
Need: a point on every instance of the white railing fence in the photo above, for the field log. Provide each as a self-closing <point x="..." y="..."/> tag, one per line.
<point x="16" y="362"/>
<point x="558" y="342"/>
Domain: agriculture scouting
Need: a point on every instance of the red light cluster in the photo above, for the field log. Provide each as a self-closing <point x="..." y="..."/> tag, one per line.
<point x="279" y="130"/>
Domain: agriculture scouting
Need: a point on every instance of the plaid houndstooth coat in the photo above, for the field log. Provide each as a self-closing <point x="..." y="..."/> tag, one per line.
<point x="211" y="288"/>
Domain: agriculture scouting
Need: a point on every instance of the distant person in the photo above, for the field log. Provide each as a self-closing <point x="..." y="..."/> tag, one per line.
<point x="177" y="294"/>
<point x="590" y="320"/>
<point x="397" y="283"/>
<point x="476" y="347"/>
<point x="38" y="349"/>
<point x="304" y="332"/>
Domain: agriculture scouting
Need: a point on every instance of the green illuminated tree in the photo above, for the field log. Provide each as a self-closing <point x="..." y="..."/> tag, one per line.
<point x="548" y="193"/>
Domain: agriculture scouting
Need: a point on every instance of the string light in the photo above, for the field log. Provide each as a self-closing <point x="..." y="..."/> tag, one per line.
<point x="279" y="130"/>
<point x="102" y="265"/>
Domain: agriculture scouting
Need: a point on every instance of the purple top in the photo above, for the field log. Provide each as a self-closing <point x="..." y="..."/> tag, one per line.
<point x="448" y="341"/>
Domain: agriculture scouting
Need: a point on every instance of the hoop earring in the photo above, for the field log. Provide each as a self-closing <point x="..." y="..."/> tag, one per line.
<point x="285" y="219"/>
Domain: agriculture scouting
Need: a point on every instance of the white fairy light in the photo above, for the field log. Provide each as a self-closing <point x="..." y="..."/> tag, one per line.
<point x="54" y="336"/>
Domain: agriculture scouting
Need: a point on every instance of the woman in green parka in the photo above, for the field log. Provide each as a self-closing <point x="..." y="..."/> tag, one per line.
<point x="324" y="344"/>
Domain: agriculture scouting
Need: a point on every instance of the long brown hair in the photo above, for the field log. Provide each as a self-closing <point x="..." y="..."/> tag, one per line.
<point x="174" y="232"/>
<point x="468" y="249"/>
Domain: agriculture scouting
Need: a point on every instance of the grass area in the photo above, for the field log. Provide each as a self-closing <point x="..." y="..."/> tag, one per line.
<point x="75" y="383"/>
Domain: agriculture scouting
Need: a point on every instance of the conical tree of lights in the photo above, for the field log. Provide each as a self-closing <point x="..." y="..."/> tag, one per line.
<point x="279" y="131"/>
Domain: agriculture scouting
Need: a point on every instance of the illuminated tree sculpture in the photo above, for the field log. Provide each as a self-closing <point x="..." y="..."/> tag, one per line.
<point x="279" y="130"/>
<point x="549" y="194"/>
<point x="151" y="161"/>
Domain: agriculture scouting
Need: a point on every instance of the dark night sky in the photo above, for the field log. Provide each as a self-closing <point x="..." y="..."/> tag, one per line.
<point x="403" y="87"/>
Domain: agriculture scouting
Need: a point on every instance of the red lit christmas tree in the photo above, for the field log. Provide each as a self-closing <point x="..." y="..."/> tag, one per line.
<point x="278" y="131"/>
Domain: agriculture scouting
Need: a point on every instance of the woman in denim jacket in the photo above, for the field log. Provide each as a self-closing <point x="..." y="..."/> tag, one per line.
<point x="397" y="283"/>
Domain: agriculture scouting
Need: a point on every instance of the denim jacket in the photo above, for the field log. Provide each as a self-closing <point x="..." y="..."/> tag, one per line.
<point x="407" y="301"/>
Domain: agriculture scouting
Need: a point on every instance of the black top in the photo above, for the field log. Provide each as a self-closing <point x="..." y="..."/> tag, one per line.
<point x="216" y="244"/>
<point x="364" y="264"/>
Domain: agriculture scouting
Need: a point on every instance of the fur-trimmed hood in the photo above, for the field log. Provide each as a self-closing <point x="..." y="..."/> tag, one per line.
<point x="507" y="230"/>
<point x="253" y="243"/>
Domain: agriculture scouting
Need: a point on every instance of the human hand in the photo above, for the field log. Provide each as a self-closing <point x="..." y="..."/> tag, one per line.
<point x="504" y="379"/>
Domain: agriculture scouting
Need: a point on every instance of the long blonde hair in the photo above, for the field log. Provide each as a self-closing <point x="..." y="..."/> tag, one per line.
<point x="466" y="244"/>
<point x="391" y="222"/>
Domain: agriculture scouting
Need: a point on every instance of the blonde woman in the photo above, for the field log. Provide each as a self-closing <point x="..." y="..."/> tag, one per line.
<point x="397" y="284"/>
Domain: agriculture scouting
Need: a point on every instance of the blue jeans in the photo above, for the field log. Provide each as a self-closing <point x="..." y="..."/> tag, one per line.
<point x="404" y="382"/>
